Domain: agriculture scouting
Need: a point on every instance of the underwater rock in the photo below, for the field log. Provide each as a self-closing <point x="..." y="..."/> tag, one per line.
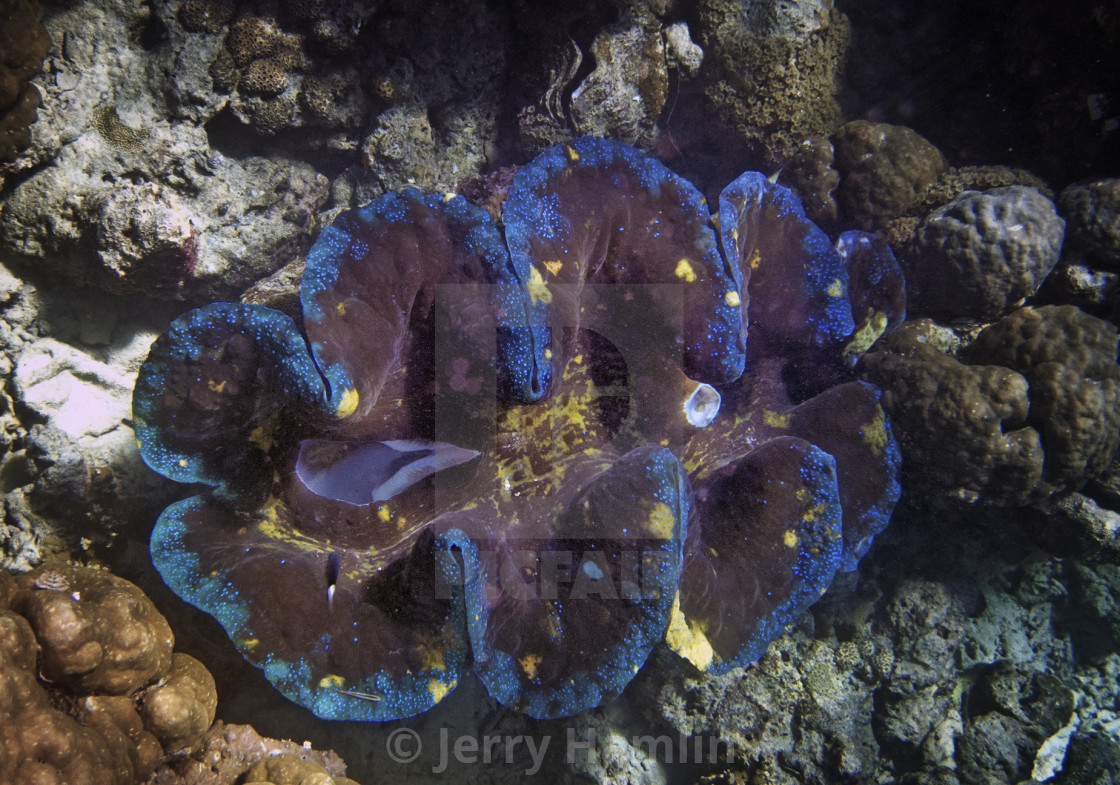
<point x="50" y="373"/>
<point x="927" y="623"/>
<point x="803" y="710"/>
<point x="226" y="752"/>
<point x="23" y="43"/>
<point x="716" y="498"/>
<point x="68" y="451"/>
<point x="320" y="76"/>
<point x="1081" y="526"/>
<point x="982" y="254"/>
<point x="1011" y="710"/>
<point x="171" y="239"/>
<point x="22" y="533"/>
<point x="774" y="68"/>
<point x="1091" y="759"/>
<point x="135" y="201"/>
<point x="884" y="169"/>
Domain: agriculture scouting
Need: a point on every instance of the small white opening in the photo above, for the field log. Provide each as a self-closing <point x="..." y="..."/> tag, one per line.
<point x="702" y="406"/>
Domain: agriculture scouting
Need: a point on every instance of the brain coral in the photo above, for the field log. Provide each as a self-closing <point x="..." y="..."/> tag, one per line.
<point x="548" y="449"/>
<point x="979" y="255"/>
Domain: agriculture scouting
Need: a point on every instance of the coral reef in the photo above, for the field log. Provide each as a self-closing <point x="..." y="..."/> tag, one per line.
<point x="1068" y="359"/>
<point x="962" y="429"/>
<point x="1088" y="274"/>
<point x="190" y="150"/>
<point x="1092" y="213"/>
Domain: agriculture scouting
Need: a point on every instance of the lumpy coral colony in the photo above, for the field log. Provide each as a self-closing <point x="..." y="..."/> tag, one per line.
<point x="537" y="450"/>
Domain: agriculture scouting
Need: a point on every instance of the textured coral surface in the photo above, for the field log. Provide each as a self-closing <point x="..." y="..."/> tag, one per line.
<point x="89" y="689"/>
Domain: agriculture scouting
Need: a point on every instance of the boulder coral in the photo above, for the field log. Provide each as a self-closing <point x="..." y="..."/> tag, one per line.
<point x="90" y="690"/>
<point x="1030" y="409"/>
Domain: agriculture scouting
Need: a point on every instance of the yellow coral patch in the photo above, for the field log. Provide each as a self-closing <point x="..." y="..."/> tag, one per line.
<point x="573" y="156"/>
<point x="875" y="433"/>
<point x="384" y="513"/>
<point x="554" y="266"/>
<point x="661" y="521"/>
<point x="261" y="437"/>
<point x="529" y="664"/>
<point x="790" y="539"/>
<point x="868" y="333"/>
<point x="732" y="299"/>
<point x="439" y="689"/>
<point x="331" y="680"/>
<point x="755" y="259"/>
<point x="775" y="420"/>
<point x="216" y="386"/>
<point x="538" y="290"/>
<point x="687" y="638"/>
<point x="685" y="272"/>
<point x="340" y="309"/>
<point x="836" y="288"/>
<point x="348" y="405"/>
